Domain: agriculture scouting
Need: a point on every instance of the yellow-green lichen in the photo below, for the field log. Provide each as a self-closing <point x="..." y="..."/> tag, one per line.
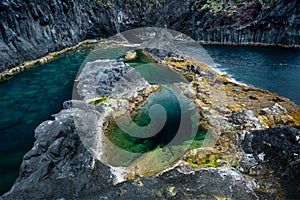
<point x="210" y="160"/>
<point x="98" y="100"/>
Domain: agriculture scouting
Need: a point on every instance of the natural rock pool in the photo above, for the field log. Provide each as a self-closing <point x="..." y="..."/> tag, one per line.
<point x="32" y="96"/>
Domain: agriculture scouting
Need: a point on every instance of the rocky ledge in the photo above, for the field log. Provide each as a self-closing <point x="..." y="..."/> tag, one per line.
<point x="60" y="167"/>
<point x="252" y="151"/>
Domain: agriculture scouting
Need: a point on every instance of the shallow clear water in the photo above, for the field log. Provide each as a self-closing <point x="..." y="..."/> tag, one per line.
<point x="155" y="73"/>
<point x="175" y="111"/>
<point x="273" y="69"/>
<point x="152" y="137"/>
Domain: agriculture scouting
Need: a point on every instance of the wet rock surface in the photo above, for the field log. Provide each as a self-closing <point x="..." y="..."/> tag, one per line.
<point x="174" y="184"/>
<point x="60" y="167"/>
<point x="31" y="29"/>
<point x="275" y="152"/>
<point x="229" y="112"/>
<point x="59" y="162"/>
<point x="64" y="162"/>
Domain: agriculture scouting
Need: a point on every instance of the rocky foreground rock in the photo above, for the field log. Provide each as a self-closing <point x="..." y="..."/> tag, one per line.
<point x="60" y="167"/>
<point x="274" y="155"/>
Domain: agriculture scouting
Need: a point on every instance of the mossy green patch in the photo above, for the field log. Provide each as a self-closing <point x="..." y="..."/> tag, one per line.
<point x="234" y="164"/>
<point x="98" y="100"/>
<point x="210" y="160"/>
<point x="230" y="7"/>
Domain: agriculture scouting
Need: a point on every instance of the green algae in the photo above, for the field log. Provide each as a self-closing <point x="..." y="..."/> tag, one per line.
<point x="210" y="160"/>
<point x="97" y="101"/>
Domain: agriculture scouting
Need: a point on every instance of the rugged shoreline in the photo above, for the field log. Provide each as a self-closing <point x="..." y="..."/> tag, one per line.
<point x="251" y="44"/>
<point x="9" y="73"/>
<point x="32" y="63"/>
<point x="54" y="159"/>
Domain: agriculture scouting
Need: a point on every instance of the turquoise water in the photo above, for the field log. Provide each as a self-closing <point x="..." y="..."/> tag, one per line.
<point x="155" y="73"/>
<point x="178" y="114"/>
<point x="28" y="99"/>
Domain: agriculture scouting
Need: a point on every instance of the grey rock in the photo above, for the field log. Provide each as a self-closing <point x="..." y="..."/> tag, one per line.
<point x="77" y="104"/>
<point x="203" y="184"/>
<point x="113" y="78"/>
<point x="244" y="119"/>
<point x="276" y="109"/>
<point x="59" y="165"/>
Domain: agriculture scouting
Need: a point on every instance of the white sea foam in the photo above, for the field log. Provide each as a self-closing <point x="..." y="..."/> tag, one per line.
<point x="219" y="69"/>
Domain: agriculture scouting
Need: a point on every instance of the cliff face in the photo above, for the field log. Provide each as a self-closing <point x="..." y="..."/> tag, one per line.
<point x="31" y="29"/>
<point x="245" y="23"/>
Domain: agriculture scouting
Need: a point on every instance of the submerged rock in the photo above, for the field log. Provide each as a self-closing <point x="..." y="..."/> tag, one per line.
<point x="60" y="167"/>
<point x="64" y="162"/>
<point x="131" y="55"/>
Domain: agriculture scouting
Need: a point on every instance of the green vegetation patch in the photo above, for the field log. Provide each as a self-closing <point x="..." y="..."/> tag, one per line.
<point x="210" y="160"/>
<point x="230" y="7"/>
<point x="98" y="100"/>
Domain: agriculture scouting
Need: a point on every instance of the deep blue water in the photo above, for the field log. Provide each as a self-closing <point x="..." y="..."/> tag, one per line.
<point x="30" y="98"/>
<point x="273" y="69"/>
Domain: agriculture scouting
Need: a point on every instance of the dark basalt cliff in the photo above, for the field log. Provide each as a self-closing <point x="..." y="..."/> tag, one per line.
<point x="31" y="29"/>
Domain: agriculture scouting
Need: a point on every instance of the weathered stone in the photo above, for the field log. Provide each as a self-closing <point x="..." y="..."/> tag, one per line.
<point x="59" y="166"/>
<point x="131" y="55"/>
<point x="114" y="79"/>
<point x="203" y="184"/>
<point x="274" y="150"/>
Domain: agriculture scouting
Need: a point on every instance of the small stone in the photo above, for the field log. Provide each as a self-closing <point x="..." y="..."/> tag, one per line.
<point x="172" y="191"/>
<point x="131" y="55"/>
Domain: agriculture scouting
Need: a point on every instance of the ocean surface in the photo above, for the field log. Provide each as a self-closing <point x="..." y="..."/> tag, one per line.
<point x="269" y="68"/>
<point x="31" y="97"/>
